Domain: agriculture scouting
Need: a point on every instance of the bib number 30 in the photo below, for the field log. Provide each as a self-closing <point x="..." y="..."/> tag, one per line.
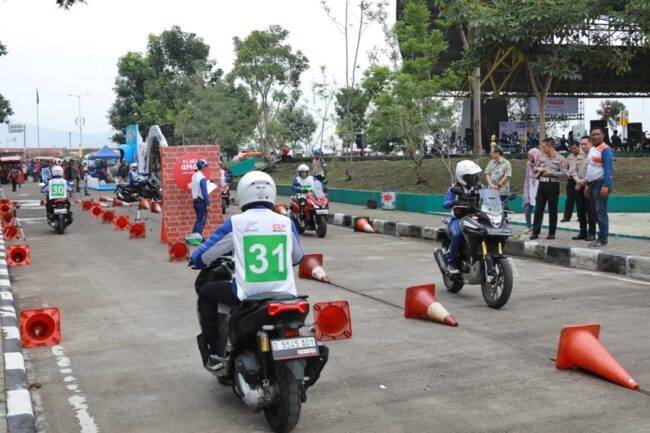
<point x="57" y="190"/>
<point x="265" y="258"/>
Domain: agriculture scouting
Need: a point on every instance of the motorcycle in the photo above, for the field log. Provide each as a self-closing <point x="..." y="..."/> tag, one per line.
<point x="268" y="362"/>
<point x="482" y="259"/>
<point x="309" y="210"/>
<point x="147" y="188"/>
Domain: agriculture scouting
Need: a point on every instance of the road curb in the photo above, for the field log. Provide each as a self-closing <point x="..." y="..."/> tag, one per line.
<point x="20" y="414"/>
<point x="581" y="258"/>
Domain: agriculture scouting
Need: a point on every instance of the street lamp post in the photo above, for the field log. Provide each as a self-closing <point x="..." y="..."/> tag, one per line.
<point x="80" y="119"/>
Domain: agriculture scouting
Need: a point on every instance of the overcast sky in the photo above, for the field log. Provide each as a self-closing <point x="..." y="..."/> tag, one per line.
<point x="76" y="51"/>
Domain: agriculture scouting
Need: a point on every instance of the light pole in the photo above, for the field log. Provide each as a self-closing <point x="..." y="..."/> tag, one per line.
<point x="80" y="120"/>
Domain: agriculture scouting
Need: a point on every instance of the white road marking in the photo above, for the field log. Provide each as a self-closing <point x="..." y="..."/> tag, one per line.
<point x="6" y="296"/>
<point x="11" y="332"/>
<point x="593" y="273"/>
<point x="14" y="361"/>
<point x="77" y="400"/>
<point x="19" y="402"/>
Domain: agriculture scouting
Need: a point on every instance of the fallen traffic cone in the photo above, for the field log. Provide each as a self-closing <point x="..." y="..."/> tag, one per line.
<point x="332" y="320"/>
<point x="579" y="348"/>
<point x="108" y="216"/>
<point x="104" y="198"/>
<point x="361" y="224"/>
<point x="40" y="327"/>
<point x="11" y="232"/>
<point x="137" y="230"/>
<point x="178" y="251"/>
<point x="86" y="204"/>
<point x="96" y="210"/>
<point x="145" y="204"/>
<point x="312" y="267"/>
<point x="155" y="207"/>
<point x="421" y="301"/>
<point x="281" y="209"/>
<point x="118" y="202"/>
<point x="18" y="255"/>
<point x="122" y="223"/>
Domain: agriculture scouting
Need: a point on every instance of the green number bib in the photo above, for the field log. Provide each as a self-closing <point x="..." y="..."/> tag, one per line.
<point x="57" y="190"/>
<point x="265" y="258"/>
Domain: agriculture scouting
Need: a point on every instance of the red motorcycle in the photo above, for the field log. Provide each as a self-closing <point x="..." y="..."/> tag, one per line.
<point x="309" y="210"/>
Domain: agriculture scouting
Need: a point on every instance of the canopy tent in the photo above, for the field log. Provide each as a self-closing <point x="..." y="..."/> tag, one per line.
<point x="105" y="153"/>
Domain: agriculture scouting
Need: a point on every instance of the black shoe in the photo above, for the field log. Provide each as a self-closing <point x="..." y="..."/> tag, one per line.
<point x="550" y="237"/>
<point x="534" y="236"/>
<point x="565" y="220"/>
<point x="590" y="238"/>
<point x="579" y="237"/>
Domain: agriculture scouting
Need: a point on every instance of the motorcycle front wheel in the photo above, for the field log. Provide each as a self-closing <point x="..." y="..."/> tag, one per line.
<point x="283" y="415"/>
<point x="453" y="284"/>
<point x="497" y="288"/>
<point x="321" y="226"/>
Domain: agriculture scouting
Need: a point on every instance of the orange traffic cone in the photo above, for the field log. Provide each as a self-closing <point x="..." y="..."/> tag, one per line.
<point x="8" y="217"/>
<point x="137" y="230"/>
<point x="312" y="267"/>
<point x="362" y="225"/>
<point x="18" y="255"/>
<point x="104" y="198"/>
<point x="86" y="204"/>
<point x="178" y="251"/>
<point x="96" y="210"/>
<point x="108" y="216"/>
<point x="122" y="223"/>
<point x="421" y="302"/>
<point x="4" y="208"/>
<point x="40" y="327"/>
<point x="11" y="232"/>
<point x="163" y="233"/>
<point x="118" y="202"/>
<point x="332" y="320"/>
<point x="155" y="207"/>
<point x="281" y="209"/>
<point x="579" y="347"/>
<point x="145" y="204"/>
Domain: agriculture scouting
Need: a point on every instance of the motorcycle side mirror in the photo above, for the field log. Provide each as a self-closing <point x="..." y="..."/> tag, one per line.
<point x="41" y="184"/>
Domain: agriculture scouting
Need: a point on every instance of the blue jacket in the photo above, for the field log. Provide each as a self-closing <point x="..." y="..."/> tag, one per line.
<point x="450" y="198"/>
<point x="608" y="163"/>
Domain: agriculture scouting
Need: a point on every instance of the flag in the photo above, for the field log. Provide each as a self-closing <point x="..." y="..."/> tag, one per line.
<point x="37" y="100"/>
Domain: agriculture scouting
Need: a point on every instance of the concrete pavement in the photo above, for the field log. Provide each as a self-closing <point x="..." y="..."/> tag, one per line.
<point x="128" y="361"/>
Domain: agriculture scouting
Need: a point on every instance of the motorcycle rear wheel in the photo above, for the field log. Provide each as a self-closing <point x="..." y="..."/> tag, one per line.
<point x="283" y="415"/>
<point x="60" y="225"/>
<point x="497" y="293"/>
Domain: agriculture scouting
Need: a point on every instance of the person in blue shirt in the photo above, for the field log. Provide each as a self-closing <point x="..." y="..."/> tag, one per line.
<point x="466" y="186"/>
<point x="46" y="173"/>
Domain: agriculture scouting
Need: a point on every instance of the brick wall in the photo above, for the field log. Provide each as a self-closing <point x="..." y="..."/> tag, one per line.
<point x="178" y="213"/>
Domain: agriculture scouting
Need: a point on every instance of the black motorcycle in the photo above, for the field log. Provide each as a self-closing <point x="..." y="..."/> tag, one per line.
<point x="147" y="188"/>
<point x="59" y="215"/>
<point x="482" y="259"/>
<point x="268" y="362"/>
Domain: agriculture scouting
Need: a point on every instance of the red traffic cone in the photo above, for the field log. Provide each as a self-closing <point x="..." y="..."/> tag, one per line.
<point x="86" y="204"/>
<point x="8" y="217"/>
<point x="312" y="267"/>
<point x="5" y="207"/>
<point x="281" y="209"/>
<point x="18" y="255"/>
<point x="137" y="230"/>
<point x="4" y="201"/>
<point x="580" y="348"/>
<point x="145" y="204"/>
<point x="122" y="223"/>
<point x="163" y="233"/>
<point x="108" y="216"/>
<point x="332" y="320"/>
<point x="40" y="327"/>
<point x="11" y="232"/>
<point x="96" y="210"/>
<point x="362" y="225"/>
<point x="421" y="302"/>
<point x="178" y="251"/>
<point x="155" y="207"/>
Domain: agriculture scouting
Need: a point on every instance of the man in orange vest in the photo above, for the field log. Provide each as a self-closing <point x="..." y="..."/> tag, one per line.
<point x="599" y="182"/>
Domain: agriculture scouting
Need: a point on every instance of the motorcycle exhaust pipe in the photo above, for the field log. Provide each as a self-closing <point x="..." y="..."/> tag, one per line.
<point x="439" y="255"/>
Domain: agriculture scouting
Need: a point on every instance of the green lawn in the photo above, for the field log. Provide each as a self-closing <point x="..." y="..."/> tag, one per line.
<point x="631" y="175"/>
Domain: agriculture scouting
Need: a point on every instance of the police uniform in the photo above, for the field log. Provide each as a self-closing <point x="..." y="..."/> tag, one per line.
<point x="548" y="191"/>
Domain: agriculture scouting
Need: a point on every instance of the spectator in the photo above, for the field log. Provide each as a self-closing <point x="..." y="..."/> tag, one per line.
<point x="13" y="177"/>
<point x="550" y="169"/>
<point x="599" y="182"/>
<point x="46" y="173"/>
<point x="498" y="172"/>
<point x="586" y="215"/>
<point x="531" y="182"/>
<point x="563" y="143"/>
<point x="616" y="141"/>
<point x="571" y="161"/>
<point x="319" y="166"/>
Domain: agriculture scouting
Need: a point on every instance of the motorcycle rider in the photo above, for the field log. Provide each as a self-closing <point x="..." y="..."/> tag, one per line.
<point x="467" y="182"/>
<point x="133" y="176"/>
<point x="262" y="242"/>
<point x="303" y="182"/>
<point x="57" y="178"/>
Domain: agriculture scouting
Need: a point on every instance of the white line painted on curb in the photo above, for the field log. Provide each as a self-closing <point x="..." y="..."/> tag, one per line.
<point x="595" y="274"/>
<point x="7" y="312"/>
<point x="6" y="296"/>
<point x="4" y="271"/>
<point x="19" y="402"/>
<point x="5" y="283"/>
<point x="77" y="400"/>
<point x="11" y="332"/>
<point x="14" y="361"/>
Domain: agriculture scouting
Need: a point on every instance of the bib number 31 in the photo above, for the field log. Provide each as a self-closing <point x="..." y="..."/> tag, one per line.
<point x="265" y="258"/>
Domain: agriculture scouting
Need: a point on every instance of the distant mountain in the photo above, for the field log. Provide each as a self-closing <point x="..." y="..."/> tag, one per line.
<point x="53" y="138"/>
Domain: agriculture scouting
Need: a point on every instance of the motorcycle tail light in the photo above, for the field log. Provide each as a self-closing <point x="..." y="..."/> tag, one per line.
<point x="276" y="308"/>
<point x="291" y="333"/>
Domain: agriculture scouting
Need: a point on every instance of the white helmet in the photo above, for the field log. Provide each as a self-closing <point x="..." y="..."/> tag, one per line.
<point x="303" y="167"/>
<point x="467" y="172"/>
<point x="133" y="165"/>
<point x="255" y="187"/>
<point x="57" y="171"/>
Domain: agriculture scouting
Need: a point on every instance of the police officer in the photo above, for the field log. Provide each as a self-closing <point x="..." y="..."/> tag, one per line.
<point x="586" y="215"/>
<point x="200" y="197"/>
<point x="572" y="167"/>
<point x="550" y="169"/>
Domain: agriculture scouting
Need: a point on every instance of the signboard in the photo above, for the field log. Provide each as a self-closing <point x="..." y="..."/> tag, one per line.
<point x="184" y="168"/>
<point x="556" y="105"/>
<point x="15" y="128"/>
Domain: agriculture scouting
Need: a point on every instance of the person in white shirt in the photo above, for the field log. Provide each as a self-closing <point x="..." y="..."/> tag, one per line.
<point x="200" y="197"/>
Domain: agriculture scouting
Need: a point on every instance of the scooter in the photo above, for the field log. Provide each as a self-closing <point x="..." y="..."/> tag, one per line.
<point x="268" y="362"/>
<point x="482" y="259"/>
<point x="309" y="209"/>
<point x="59" y="215"/>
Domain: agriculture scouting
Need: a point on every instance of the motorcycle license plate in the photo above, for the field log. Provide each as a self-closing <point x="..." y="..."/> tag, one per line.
<point x="291" y="348"/>
<point x="60" y="211"/>
<point x="322" y="211"/>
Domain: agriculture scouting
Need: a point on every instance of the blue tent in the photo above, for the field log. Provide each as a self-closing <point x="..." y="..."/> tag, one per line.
<point x="105" y="153"/>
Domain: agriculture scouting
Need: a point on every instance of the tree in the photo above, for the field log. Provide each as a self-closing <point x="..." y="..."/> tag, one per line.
<point x="218" y="113"/>
<point x="66" y="4"/>
<point x="323" y="93"/>
<point x="5" y="107"/>
<point x="351" y="107"/>
<point x="611" y="112"/>
<point x="295" y="125"/>
<point x="270" y="70"/>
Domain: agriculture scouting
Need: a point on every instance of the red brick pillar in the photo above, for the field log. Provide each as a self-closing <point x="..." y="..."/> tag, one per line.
<point x="178" y="163"/>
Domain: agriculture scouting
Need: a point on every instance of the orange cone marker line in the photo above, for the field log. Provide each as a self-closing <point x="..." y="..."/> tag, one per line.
<point x="580" y="347"/>
<point x="420" y="302"/>
<point x="312" y="267"/>
<point x="362" y="225"/>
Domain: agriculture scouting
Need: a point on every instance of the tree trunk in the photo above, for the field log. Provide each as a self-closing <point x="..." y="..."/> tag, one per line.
<point x="476" y="95"/>
<point x="541" y="104"/>
<point x="421" y="180"/>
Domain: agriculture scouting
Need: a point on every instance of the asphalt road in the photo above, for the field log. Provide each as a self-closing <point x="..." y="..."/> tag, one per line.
<point x="128" y="361"/>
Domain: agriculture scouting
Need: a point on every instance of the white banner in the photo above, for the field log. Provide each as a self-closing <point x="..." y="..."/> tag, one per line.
<point x="556" y="105"/>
